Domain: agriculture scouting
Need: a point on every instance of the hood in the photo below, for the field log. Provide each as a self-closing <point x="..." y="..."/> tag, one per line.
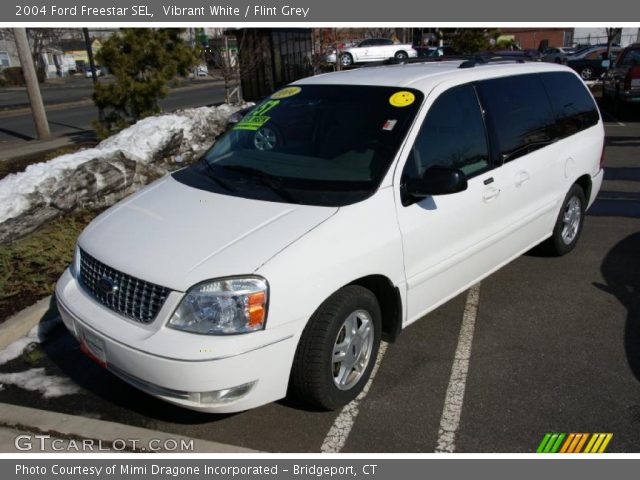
<point x="176" y="236"/>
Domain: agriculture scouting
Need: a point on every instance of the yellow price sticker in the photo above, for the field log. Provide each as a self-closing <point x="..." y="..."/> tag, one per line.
<point x="402" y="99"/>
<point x="286" y="92"/>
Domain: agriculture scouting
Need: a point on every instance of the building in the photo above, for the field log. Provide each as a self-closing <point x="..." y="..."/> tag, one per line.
<point x="77" y="50"/>
<point x="538" y="38"/>
<point x="8" y="51"/>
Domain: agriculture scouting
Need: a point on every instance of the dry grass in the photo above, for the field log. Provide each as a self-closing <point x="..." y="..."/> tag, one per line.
<point x="30" y="266"/>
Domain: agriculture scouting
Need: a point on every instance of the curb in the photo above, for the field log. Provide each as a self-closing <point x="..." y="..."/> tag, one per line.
<point x="17" y="326"/>
<point x="106" y="433"/>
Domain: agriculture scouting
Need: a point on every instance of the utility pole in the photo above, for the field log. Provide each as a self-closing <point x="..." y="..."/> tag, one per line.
<point x="92" y="63"/>
<point x="30" y="78"/>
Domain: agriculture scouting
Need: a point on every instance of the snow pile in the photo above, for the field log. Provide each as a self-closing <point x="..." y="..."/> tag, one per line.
<point x="36" y="380"/>
<point x="113" y="169"/>
<point x="37" y="334"/>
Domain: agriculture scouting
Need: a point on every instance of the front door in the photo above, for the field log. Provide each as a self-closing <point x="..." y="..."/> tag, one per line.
<point x="449" y="240"/>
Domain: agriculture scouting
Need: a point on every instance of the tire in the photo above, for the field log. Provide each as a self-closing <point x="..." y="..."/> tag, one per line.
<point x="586" y="73"/>
<point x="346" y="60"/>
<point x="568" y="227"/>
<point x="401" y="55"/>
<point x="618" y="107"/>
<point x="317" y="378"/>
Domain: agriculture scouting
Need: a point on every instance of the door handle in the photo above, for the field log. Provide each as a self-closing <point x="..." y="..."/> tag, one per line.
<point x="521" y="178"/>
<point x="490" y="194"/>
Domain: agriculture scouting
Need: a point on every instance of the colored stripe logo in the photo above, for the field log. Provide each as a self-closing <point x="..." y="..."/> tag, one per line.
<point x="574" y="443"/>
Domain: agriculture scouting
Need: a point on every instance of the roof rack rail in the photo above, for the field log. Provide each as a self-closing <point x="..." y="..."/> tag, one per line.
<point x="468" y="61"/>
<point x="485" y="59"/>
<point x="403" y="61"/>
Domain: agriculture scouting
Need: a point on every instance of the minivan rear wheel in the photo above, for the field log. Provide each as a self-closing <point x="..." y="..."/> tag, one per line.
<point x="337" y="349"/>
<point x="569" y="223"/>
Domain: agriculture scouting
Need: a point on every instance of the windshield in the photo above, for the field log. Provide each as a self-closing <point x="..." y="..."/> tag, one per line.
<point x="327" y="145"/>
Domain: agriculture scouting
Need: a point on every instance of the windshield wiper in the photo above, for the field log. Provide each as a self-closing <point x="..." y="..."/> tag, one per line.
<point x="272" y="182"/>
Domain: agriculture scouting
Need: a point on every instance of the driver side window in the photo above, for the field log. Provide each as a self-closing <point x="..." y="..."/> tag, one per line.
<point x="452" y="135"/>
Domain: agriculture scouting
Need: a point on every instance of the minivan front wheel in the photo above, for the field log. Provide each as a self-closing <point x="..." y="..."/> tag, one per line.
<point x="569" y="223"/>
<point x="337" y="349"/>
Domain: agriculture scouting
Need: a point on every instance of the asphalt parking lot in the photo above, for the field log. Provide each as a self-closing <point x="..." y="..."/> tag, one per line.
<point x="555" y="348"/>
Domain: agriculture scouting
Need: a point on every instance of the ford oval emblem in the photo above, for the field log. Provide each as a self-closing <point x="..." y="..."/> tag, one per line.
<point x="107" y="286"/>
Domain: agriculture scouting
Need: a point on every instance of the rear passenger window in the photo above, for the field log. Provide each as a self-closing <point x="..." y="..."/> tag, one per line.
<point x="520" y="113"/>
<point x="451" y="135"/>
<point x="574" y="107"/>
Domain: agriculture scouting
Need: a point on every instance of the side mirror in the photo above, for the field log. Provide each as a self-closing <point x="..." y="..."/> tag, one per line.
<point x="437" y="180"/>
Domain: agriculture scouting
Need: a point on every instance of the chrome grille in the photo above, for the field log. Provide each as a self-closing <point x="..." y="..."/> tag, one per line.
<point x="122" y="293"/>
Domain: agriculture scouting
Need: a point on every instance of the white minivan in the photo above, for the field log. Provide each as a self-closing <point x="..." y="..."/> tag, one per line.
<point x="338" y="211"/>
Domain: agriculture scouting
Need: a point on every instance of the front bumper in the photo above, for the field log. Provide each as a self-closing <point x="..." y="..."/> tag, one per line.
<point x="182" y="368"/>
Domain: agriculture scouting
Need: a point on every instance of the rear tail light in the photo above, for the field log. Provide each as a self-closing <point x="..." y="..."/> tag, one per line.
<point x="632" y="74"/>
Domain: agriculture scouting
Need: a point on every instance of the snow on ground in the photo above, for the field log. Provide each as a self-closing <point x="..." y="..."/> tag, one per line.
<point x="36" y="380"/>
<point x="140" y="142"/>
<point x="37" y="334"/>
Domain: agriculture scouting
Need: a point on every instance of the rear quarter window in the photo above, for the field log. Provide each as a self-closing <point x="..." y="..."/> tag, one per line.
<point x="573" y="105"/>
<point x="520" y="114"/>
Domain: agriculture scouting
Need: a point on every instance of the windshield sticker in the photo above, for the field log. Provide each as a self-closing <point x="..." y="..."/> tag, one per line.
<point x="257" y="117"/>
<point x="389" y="125"/>
<point x="252" y="122"/>
<point x="287" y="92"/>
<point x="402" y="99"/>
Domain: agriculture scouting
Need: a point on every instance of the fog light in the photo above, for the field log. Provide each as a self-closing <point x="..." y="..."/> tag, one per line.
<point x="227" y="395"/>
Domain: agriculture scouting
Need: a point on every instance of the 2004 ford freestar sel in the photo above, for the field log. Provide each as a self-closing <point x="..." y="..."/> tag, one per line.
<point x="339" y="210"/>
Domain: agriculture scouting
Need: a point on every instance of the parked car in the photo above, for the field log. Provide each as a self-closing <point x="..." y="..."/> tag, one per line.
<point x="527" y="54"/>
<point x="555" y="54"/>
<point x="88" y="73"/>
<point x="431" y="52"/>
<point x="621" y="83"/>
<point x="591" y="63"/>
<point x="338" y="211"/>
<point x="375" y="50"/>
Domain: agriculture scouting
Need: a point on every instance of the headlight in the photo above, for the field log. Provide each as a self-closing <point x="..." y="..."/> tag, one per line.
<point x="223" y="306"/>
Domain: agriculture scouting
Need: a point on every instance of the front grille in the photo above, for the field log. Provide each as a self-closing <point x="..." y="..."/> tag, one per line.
<point x="122" y="293"/>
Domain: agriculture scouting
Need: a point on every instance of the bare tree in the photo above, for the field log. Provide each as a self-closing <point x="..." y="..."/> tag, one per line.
<point x="225" y="58"/>
<point x="379" y="32"/>
<point x="612" y="35"/>
<point x="39" y="39"/>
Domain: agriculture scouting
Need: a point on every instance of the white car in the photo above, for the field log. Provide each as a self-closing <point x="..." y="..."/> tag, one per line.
<point x="88" y="74"/>
<point x="337" y="212"/>
<point x="373" y="50"/>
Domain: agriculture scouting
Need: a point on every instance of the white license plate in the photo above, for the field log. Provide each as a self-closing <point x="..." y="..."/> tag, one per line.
<point x="635" y="82"/>
<point x="93" y="347"/>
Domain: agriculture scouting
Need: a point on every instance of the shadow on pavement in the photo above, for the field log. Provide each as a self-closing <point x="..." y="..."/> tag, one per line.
<point x="620" y="270"/>
<point x="615" y="203"/>
<point x="19" y="135"/>
<point x="104" y="394"/>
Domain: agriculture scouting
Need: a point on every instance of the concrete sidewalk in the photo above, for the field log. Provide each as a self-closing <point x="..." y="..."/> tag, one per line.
<point x="19" y="149"/>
